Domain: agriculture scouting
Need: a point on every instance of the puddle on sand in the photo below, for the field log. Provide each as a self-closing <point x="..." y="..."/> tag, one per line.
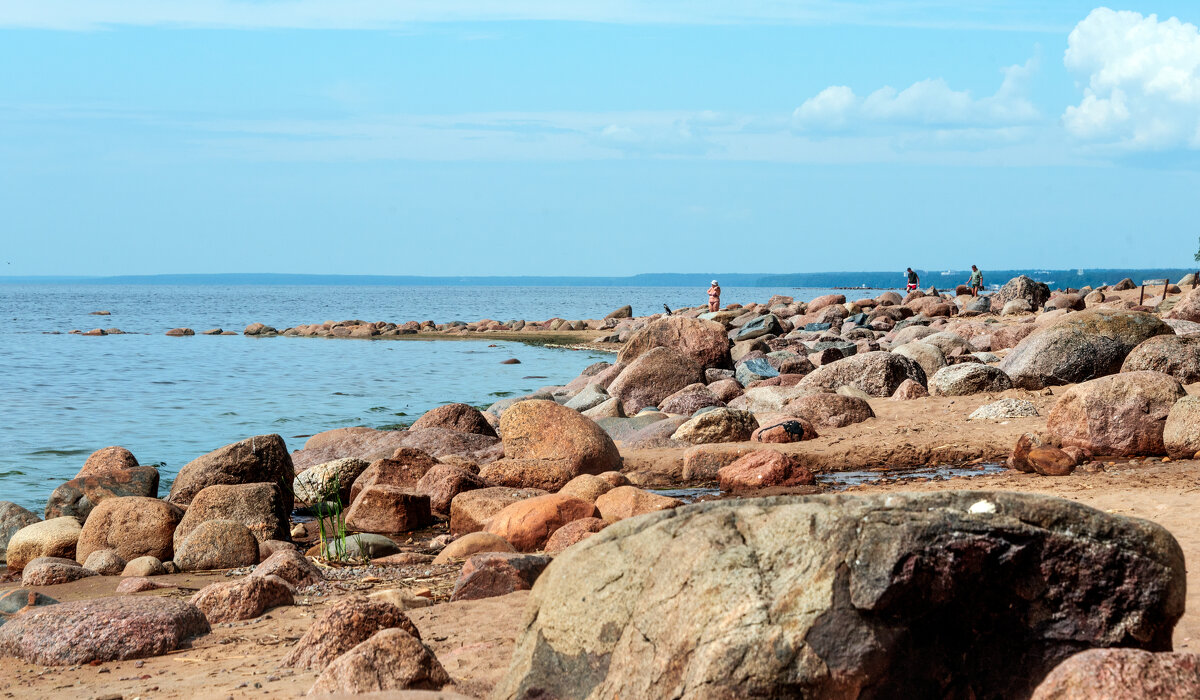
<point x="838" y="481"/>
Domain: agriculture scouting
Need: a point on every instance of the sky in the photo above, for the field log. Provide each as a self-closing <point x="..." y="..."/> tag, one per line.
<point x="612" y="137"/>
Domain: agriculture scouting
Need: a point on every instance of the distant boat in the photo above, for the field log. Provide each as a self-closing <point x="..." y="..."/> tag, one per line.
<point x="947" y="273"/>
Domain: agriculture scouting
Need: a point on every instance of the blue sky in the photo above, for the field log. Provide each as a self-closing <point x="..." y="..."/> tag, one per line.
<point x="470" y="138"/>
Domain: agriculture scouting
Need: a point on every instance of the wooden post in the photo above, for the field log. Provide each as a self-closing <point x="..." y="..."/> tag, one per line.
<point x="1142" y="296"/>
<point x="1195" y="278"/>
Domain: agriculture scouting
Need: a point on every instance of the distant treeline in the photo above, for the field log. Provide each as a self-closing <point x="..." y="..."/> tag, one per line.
<point x="888" y="279"/>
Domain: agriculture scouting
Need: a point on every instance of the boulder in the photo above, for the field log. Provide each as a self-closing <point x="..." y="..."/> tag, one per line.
<point x="406" y="467"/>
<point x="1078" y="347"/>
<point x="1187" y="308"/>
<point x="527" y="524"/>
<point x="652" y="377"/>
<point x="217" y="544"/>
<point x="627" y="501"/>
<point x="48" y="571"/>
<point x="877" y="373"/>
<point x="1181" y="432"/>
<point x="328" y="481"/>
<point x="497" y="573"/>
<point x="758" y="327"/>
<point x="587" y="487"/>
<point x="702" y="342"/>
<point x="690" y="399"/>
<point x="471" y="544"/>
<point x="719" y="425"/>
<point x="610" y="408"/>
<point x="827" y="410"/>
<point x="49" y="538"/>
<point x="260" y="459"/>
<point x="755" y="370"/>
<point x="455" y="416"/>
<point x="968" y="378"/>
<point x="764" y="469"/>
<point x="544" y="430"/>
<point x="12" y="518"/>
<point x="445" y="481"/>
<point x="390" y="660"/>
<point x="1016" y="307"/>
<point x="80" y="495"/>
<point x="291" y="566"/>
<point x="909" y="390"/>
<point x="547" y="474"/>
<point x="1106" y="674"/>
<point x="588" y="398"/>
<point x="470" y="511"/>
<point x="442" y="442"/>
<point x="388" y="509"/>
<point x="107" y="461"/>
<point x="790" y="430"/>
<point x="824" y="301"/>
<point x="623" y="312"/>
<point x="16" y="600"/>
<point x="105" y="562"/>
<point x="260" y="507"/>
<point x="243" y="599"/>
<point x="141" y="567"/>
<point x="1170" y="354"/>
<point x="343" y="625"/>
<point x="1023" y="288"/>
<point x="362" y="443"/>
<point x="766" y="399"/>
<point x="864" y="595"/>
<point x="930" y="357"/>
<point x="574" y="532"/>
<point x="1004" y="409"/>
<point x="1119" y="415"/>
<point x="101" y="629"/>
<point x="138" y="584"/>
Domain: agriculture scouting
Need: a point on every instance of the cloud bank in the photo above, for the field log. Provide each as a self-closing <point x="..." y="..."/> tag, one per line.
<point x="1142" y="80"/>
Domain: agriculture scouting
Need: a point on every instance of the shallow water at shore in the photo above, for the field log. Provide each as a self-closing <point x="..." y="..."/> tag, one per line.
<point x="170" y="400"/>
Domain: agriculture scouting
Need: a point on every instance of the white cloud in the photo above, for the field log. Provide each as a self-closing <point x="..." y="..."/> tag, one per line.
<point x="1142" y="77"/>
<point x="926" y="103"/>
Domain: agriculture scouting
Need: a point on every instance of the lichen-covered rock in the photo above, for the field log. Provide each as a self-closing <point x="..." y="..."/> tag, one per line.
<point x="1175" y="355"/>
<point x="838" y="596"/>
<point x="877" y="373"/>
<point x="327" y="481"/>
<point x="968" y="378"/>
<point x="1118" y="415"/>
<point x="1005" y="408"/>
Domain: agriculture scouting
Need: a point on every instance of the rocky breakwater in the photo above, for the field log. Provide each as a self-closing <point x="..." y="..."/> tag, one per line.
<point x="865" y="596"/>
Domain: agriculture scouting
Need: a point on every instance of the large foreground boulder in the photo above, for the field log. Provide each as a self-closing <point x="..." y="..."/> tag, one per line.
<point x="876" y="596"/>
<point x="101" y="629"/>
<point x="1080" y="346"/>
<point x="260" y="459"/>
<point x="1119" y="415"/>
<point x="703" y="342"/>
<point x="877" y="373"/>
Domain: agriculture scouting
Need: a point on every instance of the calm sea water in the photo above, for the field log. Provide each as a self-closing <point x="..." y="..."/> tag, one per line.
<point x="169" y="400"/>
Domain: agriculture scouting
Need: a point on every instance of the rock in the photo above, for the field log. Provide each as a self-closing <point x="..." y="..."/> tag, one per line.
<point x="1119" y="415"/>
<point x="260" y="507"/>
<point x="217" y="544"/>
<point x="259" y="329"/>
<point x="757" y="328"/>
<point x="1032" y="455"/>
<point x="442" y="442"/>
<point x="766" y="399"/>
<point x="968" y="378"/>
<point x="1003" y="409"/>
<point x="825" y="410"/>
<point x="755" y="370"/>
<point x="1124" y="285"/>
<point x="929" y="356"/>
<point x="291" y="566"/>
<point x="793" y="430"/>
<point x="105" y="562"/>
<point x="587" y="487"/>
<point x="497" y="573"/>
<point x="138" y="584"/>
<point x="1016" y="307"/>
<point x="909" y="390"/>
<point x="144" y="566"/>
<point x="704" y="343"/>
<point x="1023" y="288"/>
<point x="720" y="425"/>
<point x="628" y="501"/>
<point x="107" y="461"/>
<point x="48" y="571"/>
<point x="1081" y="346"/>
<point x="852" y="392"/>
<point x="360" y="547"/>
<point x="1187" y="308"/>
<point x="544" y="430"/>
<point x="878" y="592"/>
<point x="80" y="495"/>
<point x="546" y="474"/>
<point x="406" y="467"/>
<point x="12" y="518"/>
<point x="690" y="399"/>
<point x="343" y="625"/>
<point x="824" y="301"/>
<point x="392" y="659"/>
<point x="652" y="377"/>
<point x="877" y="373"/>
<point x="455" y="416"/>
<point x="132" y="527"/>
<point x="574" y="532"/>
<point x="527" y="524"/>
<point x="623" y="312"/>
<point x="1181" y="432"/>
<point x="15" y="600"/>
<point x="266" y="549"/>
<point x="260" y="459"/>
<point x="470" y="511"/>
<point x="588" y="398"/>
<point x="1170" y="354"/>
<point x="1103" y="674"/>
<point x="471" y="544"/>
<point x="49" y="538"/>
<point x="101" y="629"/>
<point x="177" y="332"/>
<point x="610" y="408"/>
<point x="401" y="597"/>
<point x="443" y="482"/>
<point x="388" y="509"/>
<point x="764" y="469"/>
<point x="243" y="599"/>
<point x="362" y="443"/>
<point x="325" y="482"/>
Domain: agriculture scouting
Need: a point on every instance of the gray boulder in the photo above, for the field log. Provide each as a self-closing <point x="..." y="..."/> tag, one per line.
<point x="968" y="378"/>
<point x="12" y="518"/>
<point x="877" y="373"/>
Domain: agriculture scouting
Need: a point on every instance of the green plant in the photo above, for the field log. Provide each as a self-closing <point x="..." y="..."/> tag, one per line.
<point x="332" y="536"/>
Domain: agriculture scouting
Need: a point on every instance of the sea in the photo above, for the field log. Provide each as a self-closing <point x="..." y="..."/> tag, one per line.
<point x="171" y="399"/>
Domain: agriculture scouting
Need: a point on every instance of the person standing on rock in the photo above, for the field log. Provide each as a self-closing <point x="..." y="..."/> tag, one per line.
<point x="913" y="281"/>
<point x="976" y="281"/>
<point x="714" y="297"/>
